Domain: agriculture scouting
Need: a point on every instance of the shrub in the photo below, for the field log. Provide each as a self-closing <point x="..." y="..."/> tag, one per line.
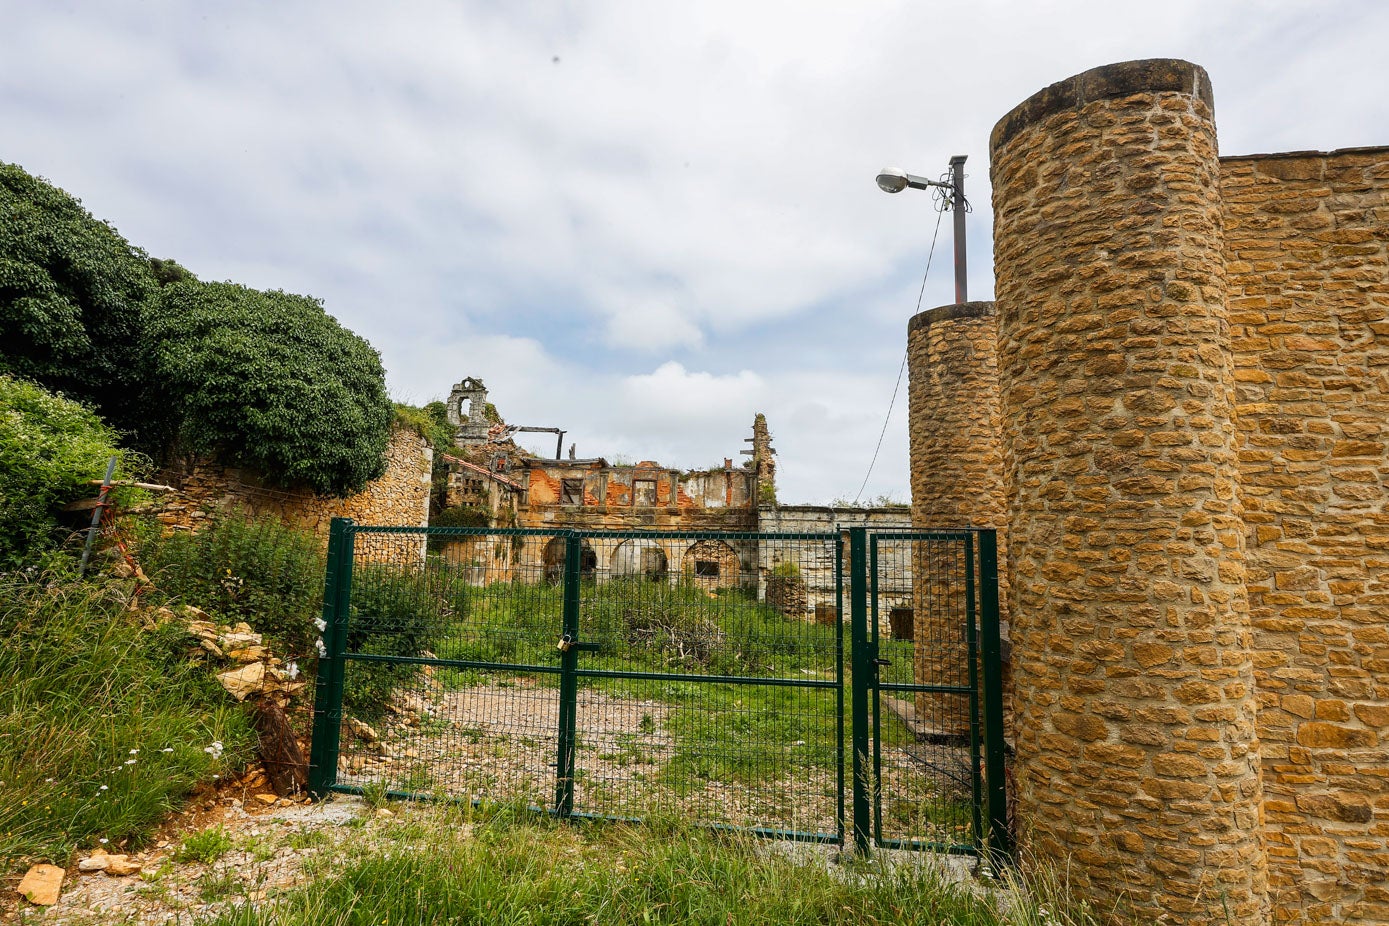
<point x="50" y="447"/>
<point x="393" y="614"/>
<point x="72" y="297"/>
<point x="244" y="569"/>
<point x="271" y="381"/>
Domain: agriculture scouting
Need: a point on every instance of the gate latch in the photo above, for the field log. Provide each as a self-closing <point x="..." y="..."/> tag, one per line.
<point x="882" y="662"/>
<point x="567" y="642"/>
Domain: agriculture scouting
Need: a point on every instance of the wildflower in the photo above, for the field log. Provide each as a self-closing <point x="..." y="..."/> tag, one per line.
<point x="103" y="841"/>
<point x="215" y="750"/>
<point x="292" y="670"/>
<point x="321" y="624"/>
<point x="131" y="761"/>
<point x="104" y="788"/>
<point x="167" y="749"/>
<point x="322" y="650"/>
<point x="134" y="752"/>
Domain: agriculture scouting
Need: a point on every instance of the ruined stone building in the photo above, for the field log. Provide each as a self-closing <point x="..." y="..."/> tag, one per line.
<point x="513" y="489"/>
<point x="1175" y="412"/>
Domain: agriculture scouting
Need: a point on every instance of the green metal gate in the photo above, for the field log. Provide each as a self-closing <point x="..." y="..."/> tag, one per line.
<point x="637" y="673"/>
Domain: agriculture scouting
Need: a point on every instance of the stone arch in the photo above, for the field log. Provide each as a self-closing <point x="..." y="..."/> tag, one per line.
<point x="638" y="557"/>
<point x="553" y="560"/>
<point x="712" y="564"/>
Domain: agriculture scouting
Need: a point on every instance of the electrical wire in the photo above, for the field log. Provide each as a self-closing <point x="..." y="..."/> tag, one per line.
<point x="940" y="214"/>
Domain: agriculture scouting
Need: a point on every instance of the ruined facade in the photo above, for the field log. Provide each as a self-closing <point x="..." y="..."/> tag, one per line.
<point x="1190" y="359"/>
<point x="510" y="488"/>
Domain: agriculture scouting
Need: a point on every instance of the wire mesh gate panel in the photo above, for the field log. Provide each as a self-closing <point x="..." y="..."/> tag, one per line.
<point x="930" y="731"/>
<point x="614" y="674"/>
<point x="630" y="674"/>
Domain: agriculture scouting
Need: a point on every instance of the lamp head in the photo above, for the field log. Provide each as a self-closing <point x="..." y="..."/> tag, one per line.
<point x="892" y="180"/>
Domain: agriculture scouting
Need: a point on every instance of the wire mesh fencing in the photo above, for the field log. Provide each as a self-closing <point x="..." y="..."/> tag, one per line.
<point x="619" y="674"/>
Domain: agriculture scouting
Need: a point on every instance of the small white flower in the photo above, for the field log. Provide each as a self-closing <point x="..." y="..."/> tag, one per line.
<point x="292" y="670"/>
<point x="48" y="781"/>
<point x="134" y="752"/>
<point x="131" y="761"/>
<point x="215" y="777"/>
<point x="322" y="650"/>
<point x="215" y="750"/>
<point x="167" y="749"/>
<point x="104" y="788"/>
<point x="321" y="624"/>
<point x="103" y="841"/>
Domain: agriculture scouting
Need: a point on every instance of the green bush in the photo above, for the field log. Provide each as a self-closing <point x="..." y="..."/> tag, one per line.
<point x="72" y="298"/>
<point x="50" y="448"/>
<point x="240" y="568"/>
<point x="105" y="724"/>
<point x="271" y="381"/>
<point x="393" y="614"/>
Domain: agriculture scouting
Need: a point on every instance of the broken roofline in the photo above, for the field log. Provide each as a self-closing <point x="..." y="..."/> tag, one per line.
<point x="483" y="471"/>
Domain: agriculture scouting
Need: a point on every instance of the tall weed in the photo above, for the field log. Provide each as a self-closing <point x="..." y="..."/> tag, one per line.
<point x="240" y="568"/>
<point x="105" y="725"/>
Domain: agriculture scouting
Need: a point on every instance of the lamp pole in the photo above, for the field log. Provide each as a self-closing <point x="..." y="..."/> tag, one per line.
<point x="892" y="180"/>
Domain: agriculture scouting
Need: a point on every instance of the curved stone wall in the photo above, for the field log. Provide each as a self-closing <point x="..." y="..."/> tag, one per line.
<point x="957" y="481"/>
<point x="1136" y="744"/>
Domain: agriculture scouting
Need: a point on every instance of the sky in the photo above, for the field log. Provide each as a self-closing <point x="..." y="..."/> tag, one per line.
<point x="643" y="222"/>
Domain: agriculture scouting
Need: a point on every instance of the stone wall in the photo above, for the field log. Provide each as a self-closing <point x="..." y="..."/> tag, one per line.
<point x="1307" y="264"/>
<point x="957" y="481"/>
<point x="816" y="561"/>
<point x="1137" y="756"/>
<point x="399" y="497"/>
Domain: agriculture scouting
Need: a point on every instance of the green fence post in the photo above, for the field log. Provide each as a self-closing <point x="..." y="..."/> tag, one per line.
<point x="327" y="725"/>
<point x="1000" y="839"/>
<point x="862" y="668"/>
<point x="568" y="679"/>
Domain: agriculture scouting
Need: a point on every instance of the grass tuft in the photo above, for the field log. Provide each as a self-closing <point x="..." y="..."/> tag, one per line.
<point x="105" y="725"/>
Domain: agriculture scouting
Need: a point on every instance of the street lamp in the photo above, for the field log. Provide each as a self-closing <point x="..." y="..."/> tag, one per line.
<point x="894" y="180"/>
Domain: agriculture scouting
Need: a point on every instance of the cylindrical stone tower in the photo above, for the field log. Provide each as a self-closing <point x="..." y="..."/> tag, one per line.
<point x="1138" y="764"/>
<point x="957" y="481"/>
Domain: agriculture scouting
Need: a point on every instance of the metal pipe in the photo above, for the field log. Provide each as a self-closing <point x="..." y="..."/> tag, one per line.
<point x="957" y="170"/>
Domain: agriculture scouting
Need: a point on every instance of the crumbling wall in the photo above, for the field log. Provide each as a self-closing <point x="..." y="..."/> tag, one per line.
<point x="1307" y="263"/>
<point x="817" y="568"/>
<point x="399" y="497"/>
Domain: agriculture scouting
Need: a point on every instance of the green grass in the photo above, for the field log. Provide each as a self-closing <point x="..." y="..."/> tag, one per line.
<point x="459" y="866"/>
<point x="104" y="721"/>
<point x="206" y="846"/>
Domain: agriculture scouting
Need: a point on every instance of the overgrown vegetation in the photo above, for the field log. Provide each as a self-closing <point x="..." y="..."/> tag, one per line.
<point x="271" y="381"/>
<point x="266" y="379"/>
<point x="50" y="448"/>
<point x="239" y="568"/>
<point x="105" y="724"/>
<point x="502" y="865"/>
<point x="392" y="615"/>
<point x="72" y="298"/>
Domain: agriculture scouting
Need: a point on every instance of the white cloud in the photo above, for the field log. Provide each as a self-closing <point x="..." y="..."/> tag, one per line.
<point x="668" y="229"/>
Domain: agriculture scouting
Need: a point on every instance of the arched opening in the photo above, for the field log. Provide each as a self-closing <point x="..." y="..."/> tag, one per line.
<point x="554" y="560"/>
<point x="639" y="558"/>
<point x="712" y="564"/>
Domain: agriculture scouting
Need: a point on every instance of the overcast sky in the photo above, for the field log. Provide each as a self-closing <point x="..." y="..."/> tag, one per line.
<point x="642" y="222"/>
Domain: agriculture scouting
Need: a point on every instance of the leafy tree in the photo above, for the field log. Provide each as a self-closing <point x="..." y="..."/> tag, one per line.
<point x="50" y="447"/>
<point x="271" y="381"/>
<point x="71" y="294"/>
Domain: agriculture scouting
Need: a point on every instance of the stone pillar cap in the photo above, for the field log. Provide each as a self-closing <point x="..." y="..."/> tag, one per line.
<point x="945" y="313"/>
<point x="1150" y="75"/>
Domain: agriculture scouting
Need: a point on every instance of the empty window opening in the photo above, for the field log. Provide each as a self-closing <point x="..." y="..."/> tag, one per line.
<point x="706" y="568"/>
<point x="571" y="492"/>
<point x="900" y="620"/>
